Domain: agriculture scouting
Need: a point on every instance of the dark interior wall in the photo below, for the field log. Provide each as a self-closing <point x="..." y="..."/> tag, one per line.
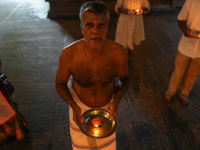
<point x="70" y="8"/>
<point x="151" y="1"/>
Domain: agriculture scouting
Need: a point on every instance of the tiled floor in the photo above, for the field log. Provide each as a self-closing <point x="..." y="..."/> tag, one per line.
<point x="30" y="45"/>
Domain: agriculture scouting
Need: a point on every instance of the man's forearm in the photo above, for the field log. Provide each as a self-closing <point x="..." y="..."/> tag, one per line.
<point x="120" y="91"/>
<point x="182" y="25"/>
<point x="64" y="93"/>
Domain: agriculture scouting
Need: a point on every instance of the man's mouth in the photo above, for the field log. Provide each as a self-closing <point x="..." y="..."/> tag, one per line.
<point x="95" y="38"/>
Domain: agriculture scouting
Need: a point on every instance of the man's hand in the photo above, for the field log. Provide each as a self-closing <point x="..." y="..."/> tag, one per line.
<point x="145" y="9"/>
<point x="113" y="107"/>
<point x="122" y="10"/>
<point x="187" y="33"/>
<point x="182" y="25"/>
<point x="76" y="114"/>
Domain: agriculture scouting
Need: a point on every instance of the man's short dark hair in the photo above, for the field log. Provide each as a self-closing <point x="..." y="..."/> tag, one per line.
<point x="96" y="7"/>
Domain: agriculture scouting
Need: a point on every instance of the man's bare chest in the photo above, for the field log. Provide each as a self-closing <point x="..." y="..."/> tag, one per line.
<point x="85" y="73"/>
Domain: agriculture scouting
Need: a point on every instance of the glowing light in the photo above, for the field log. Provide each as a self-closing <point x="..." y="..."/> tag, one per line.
<point x="96" y="122"/>
<point x="137" y="10"/>
<point x="96" y="131"/>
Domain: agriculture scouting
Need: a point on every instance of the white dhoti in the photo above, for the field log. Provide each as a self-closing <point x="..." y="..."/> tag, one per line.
<point x="130" y="30"/>
<point x="130" y="27"/>
<point x="79" y="140"/>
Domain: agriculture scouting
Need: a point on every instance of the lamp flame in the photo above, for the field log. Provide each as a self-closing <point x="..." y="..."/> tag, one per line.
<point x="96" y="122"/>
<point x="137" y="10"/>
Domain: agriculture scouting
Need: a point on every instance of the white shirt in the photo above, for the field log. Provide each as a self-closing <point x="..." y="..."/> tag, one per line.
<point x="190" y="13"/>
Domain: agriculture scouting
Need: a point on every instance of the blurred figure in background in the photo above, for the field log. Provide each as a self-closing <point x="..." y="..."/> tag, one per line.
<point x="187" y="62"/>
<point x="16" y="126"/>
<point x="130" y="26"/>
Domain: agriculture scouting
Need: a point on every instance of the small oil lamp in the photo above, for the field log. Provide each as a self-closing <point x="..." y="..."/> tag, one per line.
<point x="137" y="10"/>
<point x="96" y="122"/>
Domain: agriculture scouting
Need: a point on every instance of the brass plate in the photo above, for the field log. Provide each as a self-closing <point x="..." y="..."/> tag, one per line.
<point x="108" y="124"/>
<point x="134" y="12"/>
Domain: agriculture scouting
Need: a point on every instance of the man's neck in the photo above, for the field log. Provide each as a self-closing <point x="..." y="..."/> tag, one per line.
<point x="95" y="51"/>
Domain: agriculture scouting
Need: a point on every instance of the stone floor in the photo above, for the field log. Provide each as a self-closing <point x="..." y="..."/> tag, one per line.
<point x="30" y="45"/>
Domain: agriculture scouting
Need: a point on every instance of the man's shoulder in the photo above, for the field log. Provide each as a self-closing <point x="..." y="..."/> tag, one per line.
<point x="73" y="45"/>
<point x="114" y="44"/>
<point x="115" y="47"/>
<point x="192" y="2"/>
<point x="116" y="51"/>
<point x="72" y="49"/>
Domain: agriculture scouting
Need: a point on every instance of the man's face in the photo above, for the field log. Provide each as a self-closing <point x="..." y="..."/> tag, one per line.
<point x="94" y="28"/>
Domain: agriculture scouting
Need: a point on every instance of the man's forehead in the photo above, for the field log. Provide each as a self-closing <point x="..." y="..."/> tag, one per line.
<point x="93" y="16"/>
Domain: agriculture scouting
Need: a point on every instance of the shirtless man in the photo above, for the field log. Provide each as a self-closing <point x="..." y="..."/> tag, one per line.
<point x="94" y="63"/>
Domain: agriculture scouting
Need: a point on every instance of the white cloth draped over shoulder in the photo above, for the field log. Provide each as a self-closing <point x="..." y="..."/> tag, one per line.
<point x="130" y="27"/>
<point x="79" y="140"/>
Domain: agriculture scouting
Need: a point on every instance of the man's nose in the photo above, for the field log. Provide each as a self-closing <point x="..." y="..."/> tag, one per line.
<point x="95" y="30"/>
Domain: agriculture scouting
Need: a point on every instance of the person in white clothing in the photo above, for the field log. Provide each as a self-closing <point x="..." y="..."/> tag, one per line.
<point x="92" y="65"/>
<point x="187" y="62"/>
<point x="130" y="25"/>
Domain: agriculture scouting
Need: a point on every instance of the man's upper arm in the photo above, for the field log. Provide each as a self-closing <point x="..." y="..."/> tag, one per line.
<point x="63" y="72"/>
<point x="123" y="70"/>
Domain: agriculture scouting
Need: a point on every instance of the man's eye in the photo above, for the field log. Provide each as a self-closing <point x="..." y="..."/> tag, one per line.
<point x="89" y="25"/>
<point x="102" y="25"/>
